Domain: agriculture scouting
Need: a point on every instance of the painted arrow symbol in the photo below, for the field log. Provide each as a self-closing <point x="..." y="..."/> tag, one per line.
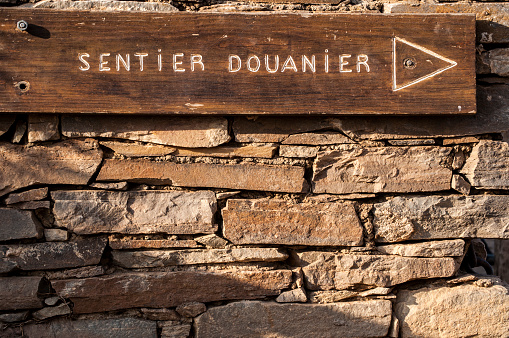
<point x="412" y="63"/>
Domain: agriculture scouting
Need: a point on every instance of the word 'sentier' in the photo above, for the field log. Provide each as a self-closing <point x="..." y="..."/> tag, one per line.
<point x="193" y="63"/>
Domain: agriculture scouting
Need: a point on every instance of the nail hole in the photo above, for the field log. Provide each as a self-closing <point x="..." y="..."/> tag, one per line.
<point x="23" y="86"/>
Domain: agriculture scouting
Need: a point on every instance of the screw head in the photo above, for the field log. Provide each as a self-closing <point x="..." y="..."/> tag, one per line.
<point x="22" y="25"/>
<point x="409" y="63"/>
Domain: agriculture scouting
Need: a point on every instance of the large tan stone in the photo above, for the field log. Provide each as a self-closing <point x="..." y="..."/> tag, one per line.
<point x="269" y="319"/>
<point x="51" y="255"/>
<point x="267" y="221"/>
<point x="467" y="310"/>
<point x="192" y="132"/>
<point x="441" y="217"/>
<point x="447" y="248"/>
<point x="327" y="270"/>
<point x="230" y="176"/>
<point x="159" y="258"/>
<point x="353" y="169"/>
<point x="19" y="293"/>
<point x="67" y="162"/>
<point x="134" y="212"/>
<point x="492" y="18"/>
<point x="487" y="167"/>
<point x="18" y="224"/>
<point x="169" y="289"/>
<point x="92" y="328"/>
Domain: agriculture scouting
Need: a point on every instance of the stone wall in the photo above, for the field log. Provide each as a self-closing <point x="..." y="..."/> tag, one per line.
<point x="160" y="226"/>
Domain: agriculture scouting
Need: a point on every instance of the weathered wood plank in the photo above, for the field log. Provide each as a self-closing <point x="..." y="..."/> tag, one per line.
<point x="196" y="63"/>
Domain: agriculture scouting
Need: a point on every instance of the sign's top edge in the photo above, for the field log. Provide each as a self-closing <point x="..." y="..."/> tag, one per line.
<point x="258" y="13"/>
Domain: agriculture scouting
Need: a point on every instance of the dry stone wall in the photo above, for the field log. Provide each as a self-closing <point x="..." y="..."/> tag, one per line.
<point x="260" y="226"/>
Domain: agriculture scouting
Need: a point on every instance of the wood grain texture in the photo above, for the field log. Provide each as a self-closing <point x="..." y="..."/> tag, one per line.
<point x="40" y="67"/>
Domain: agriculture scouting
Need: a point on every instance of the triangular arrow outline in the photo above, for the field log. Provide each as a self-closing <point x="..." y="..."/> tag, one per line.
<point x="395" y="86"/>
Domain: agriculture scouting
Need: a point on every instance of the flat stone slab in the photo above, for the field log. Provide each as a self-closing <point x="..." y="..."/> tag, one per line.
<point x="127" y="243"/>
<point x="327" y="270"/>
<point x="318" y="138"/>
<point x="280" y="178"/>
<point x="487" y="167"/>
<point x="226" y="151"/>
<point x="159" y="258"/>
<point x="269" y="319"/>
<point x="169" y="289"/>
<point x="273" y="129"/>
<point x="51" y="255"/>
<point x="135" y="212"/>
<point x="19" y="293"/>
<point x="93" y="328"/>
<point x="66" y="162"/>
<point x="441" y="217"/>
<point x="27" y="196"/>
<point x="268" y="221"/>
<point x="479" y="309"/>
<point x="18" y="224"/>
<point x="355" y="169"/>
<point x="191" y="132"/>
<point x="448" y="248"/>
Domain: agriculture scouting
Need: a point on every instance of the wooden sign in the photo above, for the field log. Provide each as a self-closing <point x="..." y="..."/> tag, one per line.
<point x="194" y="63"/>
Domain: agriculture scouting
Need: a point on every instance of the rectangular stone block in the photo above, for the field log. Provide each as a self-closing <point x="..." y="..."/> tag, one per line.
<point x="269" y="319"/>
<point x="93" y="328"/>
<point x="450" y="248"/>
<point x="19" y="293"/>
<point x="135" y="212"/>
<point x="440" y="217"/>
<point x="327" y="270"/>
<point x="169" y="289"/>
<point x="266" y="221"/>
<point x="487" y="167"/>
<point x="51" y="255"/>
<point x="160" y="258"/>
<point x="492" y="18"/>
<point x="353" y="168"/>
<point x="297" y="151"/>
<point x="229" y="176"/>
<point x="191" y="132"/>
<point x="18" y="224"/>
<point x="66" y="162"/>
